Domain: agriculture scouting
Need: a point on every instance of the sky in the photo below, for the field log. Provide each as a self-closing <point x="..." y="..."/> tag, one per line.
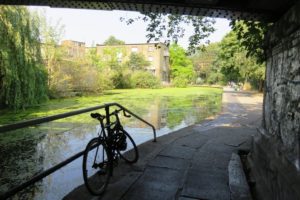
<point x="95" y="26"/>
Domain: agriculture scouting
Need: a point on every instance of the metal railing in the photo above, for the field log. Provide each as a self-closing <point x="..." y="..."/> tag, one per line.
<point x="51" y="170"/>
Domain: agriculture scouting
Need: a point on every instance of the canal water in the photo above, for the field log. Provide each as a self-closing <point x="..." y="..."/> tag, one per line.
<point x="26" y="152"/>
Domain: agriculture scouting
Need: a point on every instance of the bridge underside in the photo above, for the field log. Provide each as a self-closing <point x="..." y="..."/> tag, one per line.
<point x="266" y="10"/>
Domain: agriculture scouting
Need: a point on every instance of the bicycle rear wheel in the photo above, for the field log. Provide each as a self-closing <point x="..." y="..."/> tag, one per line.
<point x="96" y="167"/>
<point x="131" y="153"/>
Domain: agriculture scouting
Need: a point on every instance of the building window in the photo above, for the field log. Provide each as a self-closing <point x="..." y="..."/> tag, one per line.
<point x="134" y="49"/>
<point x="165" y="76"/>
<point x="150" y="58"/>
<point x="150" y="48"/>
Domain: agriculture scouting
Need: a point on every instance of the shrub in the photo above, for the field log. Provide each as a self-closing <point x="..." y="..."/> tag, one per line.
<point x="180" y="81"/>
<point x="104" y="82"/>
<point x="121" y="80"/>
<point x="142" y="79"/>
<point x="215" y="78"/>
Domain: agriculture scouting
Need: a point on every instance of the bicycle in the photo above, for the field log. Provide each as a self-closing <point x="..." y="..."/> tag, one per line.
<point x="103" y="152"/>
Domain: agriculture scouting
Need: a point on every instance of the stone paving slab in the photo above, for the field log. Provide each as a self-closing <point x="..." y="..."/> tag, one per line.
<point x="210" y="160"/>
<point x="194" y="140"/>
<point x="121" y="187"/>
<point x="208" y="184"/>
<point x="178" y="151"/>
<point x="169" y="162"/>
<point x="156" y="183"/>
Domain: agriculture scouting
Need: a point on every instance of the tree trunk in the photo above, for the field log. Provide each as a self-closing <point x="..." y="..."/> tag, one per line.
<point x="261" y="86"/>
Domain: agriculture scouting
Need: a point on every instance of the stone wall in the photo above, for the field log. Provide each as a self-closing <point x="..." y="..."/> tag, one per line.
<point x="275" y="155"/>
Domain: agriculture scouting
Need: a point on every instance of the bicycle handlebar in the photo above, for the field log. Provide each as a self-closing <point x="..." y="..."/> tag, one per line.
<point x="119" y="110"/>
<point x="101" y="117"/>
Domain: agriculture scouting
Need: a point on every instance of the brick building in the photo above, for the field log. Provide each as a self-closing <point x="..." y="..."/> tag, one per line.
<point x="156" y="53"/>
<point x="74" y="49"/>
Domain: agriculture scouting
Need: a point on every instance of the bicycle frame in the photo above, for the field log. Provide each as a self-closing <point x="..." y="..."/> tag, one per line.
<point x="107" y="132"/>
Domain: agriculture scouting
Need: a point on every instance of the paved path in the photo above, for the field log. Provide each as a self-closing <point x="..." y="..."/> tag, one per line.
<point x="191" y="163"/>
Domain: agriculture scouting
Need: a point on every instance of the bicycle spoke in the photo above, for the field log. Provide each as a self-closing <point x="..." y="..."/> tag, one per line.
<point x="96" y="167"/>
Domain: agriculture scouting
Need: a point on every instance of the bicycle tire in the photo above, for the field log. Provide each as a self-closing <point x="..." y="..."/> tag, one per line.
<point x="96" y="178"/>
<point x="129" y="155"/>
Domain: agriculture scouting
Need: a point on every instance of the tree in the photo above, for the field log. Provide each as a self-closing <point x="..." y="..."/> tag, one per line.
<point x="93" y="58"/>
<point x="23" y="78"/>
<point x="203" y="61"/>
<point x="235" y="62"/>
<point x="137" y="61"/>
<point x="227" y="57"/>
<point x="52" y="53"/>
<point x="251" y="35"/>
<point x="113" y="41"/>
<point x="169" y="28"/>
<point x="181" y="66"/>
<point x="111" y="57"/>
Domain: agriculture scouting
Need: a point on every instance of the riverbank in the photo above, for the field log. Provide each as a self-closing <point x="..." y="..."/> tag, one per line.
<point x="191" y="163"/>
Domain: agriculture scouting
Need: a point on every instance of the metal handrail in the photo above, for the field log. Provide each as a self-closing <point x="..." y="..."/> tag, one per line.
<point x="41" y="175"/>
<point x="139" y="118"/>
<point x="33" y="122"/>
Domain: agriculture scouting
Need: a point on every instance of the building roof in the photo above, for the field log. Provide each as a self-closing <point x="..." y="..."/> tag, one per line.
<point x="268" y="10"/>
<point x="132" y="44"/>
<point x="73" y="41"/>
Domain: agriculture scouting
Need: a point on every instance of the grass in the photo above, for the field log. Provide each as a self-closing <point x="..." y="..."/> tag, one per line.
<point x="126" y="97"/>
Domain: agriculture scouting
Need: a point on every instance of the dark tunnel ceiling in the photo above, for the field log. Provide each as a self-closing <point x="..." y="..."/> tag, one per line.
<point x="266" y="10"/>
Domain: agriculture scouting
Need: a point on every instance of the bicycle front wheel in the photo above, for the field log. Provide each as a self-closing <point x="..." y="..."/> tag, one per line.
<point x="96" y="167"/>
<point x="130" y="154"/>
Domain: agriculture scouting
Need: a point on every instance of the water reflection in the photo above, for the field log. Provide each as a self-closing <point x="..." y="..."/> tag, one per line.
<point x="29" y="151"/>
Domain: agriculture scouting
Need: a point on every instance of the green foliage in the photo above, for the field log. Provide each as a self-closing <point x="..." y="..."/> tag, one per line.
<point x="52" y="53"/>
<point x="170" y="28"/>
<point x="142" y="79"/>
<point x="137" y="61"/>
<point x="111" y="57"/>
<point x="203" y="61"/>
<point x="216" y="78"/>
<point x="23" y="78"/>
<point x="251" y="35"/>
<point x="112" y="40"/>
<point x="93" y="58"/>
<point x="235" y="62"/>
<point x="82" y="76"/>
<point x="180" y="81"/>
<point x="121" y="79"/>
<point x="181" y="66"/>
